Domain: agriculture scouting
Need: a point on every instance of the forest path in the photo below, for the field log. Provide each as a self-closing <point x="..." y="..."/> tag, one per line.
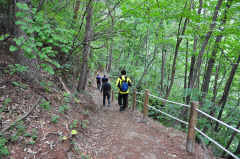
<point x="122" y="135"/>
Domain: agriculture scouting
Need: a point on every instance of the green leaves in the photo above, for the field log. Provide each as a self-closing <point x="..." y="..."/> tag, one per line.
<point x="22" y="6"/>
<point x="47" y="68"/>
<point x="13" y="48"/>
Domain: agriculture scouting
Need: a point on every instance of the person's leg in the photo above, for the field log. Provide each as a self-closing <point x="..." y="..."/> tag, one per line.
<point x="108" y="97"/>
<point x="104" y="96"/>
<point x="98" y="85"/>
<point x="120" y="101"/>
<point x="125" y="101"/>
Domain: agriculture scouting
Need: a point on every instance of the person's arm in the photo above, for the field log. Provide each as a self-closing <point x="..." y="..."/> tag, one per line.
<point x="129" y="82"/>
<point x="118" y="83"/>
<point x="102" y="88"/>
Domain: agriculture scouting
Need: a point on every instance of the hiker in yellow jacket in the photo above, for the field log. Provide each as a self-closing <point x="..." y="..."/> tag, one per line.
<point x="123" y="83"/>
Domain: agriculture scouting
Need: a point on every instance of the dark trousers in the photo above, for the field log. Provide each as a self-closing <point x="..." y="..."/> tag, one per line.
<point x="108" y="98"/>
<point x="122" y="101"/>
<point x="98" y="85"/>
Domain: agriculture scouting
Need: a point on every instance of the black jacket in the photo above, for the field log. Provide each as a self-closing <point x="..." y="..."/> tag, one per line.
<point x="106" y="87"/>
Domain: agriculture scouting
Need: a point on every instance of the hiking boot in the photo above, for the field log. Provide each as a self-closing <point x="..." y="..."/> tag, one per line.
<point x="121" y="108"/>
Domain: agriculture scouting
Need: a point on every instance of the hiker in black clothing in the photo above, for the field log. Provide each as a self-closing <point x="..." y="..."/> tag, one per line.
<point x="104" y="78"/>
<point x="98" y="78"/>
<point x="122" y="83"/>
<point x="106" y="89"/>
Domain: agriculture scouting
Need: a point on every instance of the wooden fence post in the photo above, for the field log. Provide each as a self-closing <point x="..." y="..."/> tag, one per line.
<point x="192" y="124"/>
<point x="112" y="95"/>
<point x="134" y="99"/>
<point x="145" y="106"/>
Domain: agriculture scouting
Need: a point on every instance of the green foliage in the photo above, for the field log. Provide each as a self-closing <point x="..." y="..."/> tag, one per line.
<point x="55" y="118"/>
<point x="85" y="112"/>
<point x="64" y="108"/>
<point x="5" y="103"/>
<point x="45" y="105"/>
<point x="15" y="136"/>
<point x="84" y="156"/>
<point x="47" y="86"/>
<point x="19" y="85"/>
<point x="46" y="34"/>
<point x="16" y="68"/>
<point x="74" y="132"/>
<point x="34" y="136"/>
<point x="3" y="148"/>
<point x="74" y="124"/>
<point x="84" y="123"/>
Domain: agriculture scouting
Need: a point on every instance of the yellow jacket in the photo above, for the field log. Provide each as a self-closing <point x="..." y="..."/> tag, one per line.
<point x="119" y="82"/>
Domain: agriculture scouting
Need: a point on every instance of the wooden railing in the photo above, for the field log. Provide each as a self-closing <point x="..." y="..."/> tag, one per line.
<point x="192" y="123"/>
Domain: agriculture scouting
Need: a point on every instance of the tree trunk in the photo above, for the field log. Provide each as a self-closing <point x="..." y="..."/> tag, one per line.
<point x="205" y="42"/>
<point x="76" y="9"/>
<point x="179" y="40"/>
<point x="110" y="58"/>
<point x="228" y="84"/>
<point x="184" y="111"/>
<point x="153" y="58"/>
<point x="231" y="139"/>
<point x="32" y="74"/>
<point x="186" y="68"/>
<point x="162" y="71"/>
<point x="211" y="61"/>
<point x="86" y="51"/>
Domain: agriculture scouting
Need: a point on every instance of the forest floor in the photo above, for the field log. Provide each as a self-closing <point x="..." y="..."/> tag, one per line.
<point x="103" y="133"/>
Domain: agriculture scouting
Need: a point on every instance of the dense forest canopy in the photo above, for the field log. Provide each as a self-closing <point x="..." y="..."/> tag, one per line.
<point x="181" y="50"/>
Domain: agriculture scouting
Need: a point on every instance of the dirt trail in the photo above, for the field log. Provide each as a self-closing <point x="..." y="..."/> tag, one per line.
<point x="122" y="135"/>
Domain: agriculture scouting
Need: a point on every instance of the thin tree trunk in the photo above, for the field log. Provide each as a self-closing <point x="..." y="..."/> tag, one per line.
<point x="111" y="43"/>
<point x="153" y="58"/>
<point x="186" y="68"/>
<point x="86" y="51"/>
<point x="205" y="42"/>
<point x="179" y="40"/>
<point x="231" y="139"/>
<point x="76" y="9"/>
<point x="184" y="111"/>
<point x="163" y="70"/>
<point x="110" y="58"/>
<point x="228" y="84"/>
<point x="211" y="61"/>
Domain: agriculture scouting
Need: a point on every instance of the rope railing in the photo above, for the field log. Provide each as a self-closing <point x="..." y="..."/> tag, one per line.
<point x="139" y="101"/>
<point x="213" y="141"/>
<point x="169" y="101"/>
<point x="192" y="119"/>
<point x="221" y="122"/>
<point x="140" y="93"/>
<point x="184" y="122"/>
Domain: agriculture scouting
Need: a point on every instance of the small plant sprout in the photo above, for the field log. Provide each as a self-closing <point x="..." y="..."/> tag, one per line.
<point x="74" y="132"/>
<point x="83" y="155"/>
<point x="85" y="112"/>
<point x="55" y="118"/>
<point x="3" y="148"/>
<point x="84" y="123"/>
<point x="77" y="100"/>
<point x="74" y="124"/>
<point x="45" y="105"/>
<point x="4" y="104"/>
